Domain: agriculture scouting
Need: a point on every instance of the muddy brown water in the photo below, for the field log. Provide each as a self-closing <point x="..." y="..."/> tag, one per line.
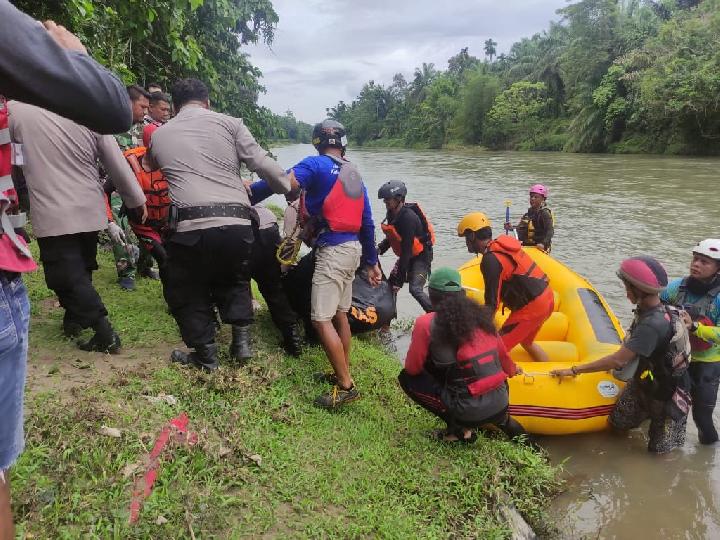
<point x="607" y="208"/>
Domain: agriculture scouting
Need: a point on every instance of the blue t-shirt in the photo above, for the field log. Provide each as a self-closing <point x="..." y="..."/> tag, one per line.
<point x="317" y="176"/>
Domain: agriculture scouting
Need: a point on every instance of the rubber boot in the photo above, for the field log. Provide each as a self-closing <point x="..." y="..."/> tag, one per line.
<point x="203" y="357"/>
<point x="240" y="349"/>
<point x="292" y="341"/>
<point x="105" y="339"/>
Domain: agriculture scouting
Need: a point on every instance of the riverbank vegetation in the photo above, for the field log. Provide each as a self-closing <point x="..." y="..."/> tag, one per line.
<point x="266" y="461"/>
<point x="623" y="76"/>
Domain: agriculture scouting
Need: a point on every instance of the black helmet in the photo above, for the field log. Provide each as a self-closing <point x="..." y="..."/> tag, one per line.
<point x="329" y="133"/>
<point x="393" y="188"/>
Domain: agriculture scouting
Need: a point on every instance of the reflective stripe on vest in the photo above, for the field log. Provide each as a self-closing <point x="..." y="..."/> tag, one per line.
<point x="6" y="182"/>
<point x="5" y="135"/>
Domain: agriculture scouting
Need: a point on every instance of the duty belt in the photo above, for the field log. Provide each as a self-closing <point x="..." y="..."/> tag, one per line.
<point x="215" y="210"/>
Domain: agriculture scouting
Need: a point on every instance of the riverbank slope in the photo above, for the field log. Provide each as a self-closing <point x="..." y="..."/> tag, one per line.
<point x="267" y="463"/>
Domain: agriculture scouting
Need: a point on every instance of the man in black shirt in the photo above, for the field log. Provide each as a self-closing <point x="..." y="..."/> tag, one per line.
<point x="658" y="340"/>
<point x="410" y="235"/>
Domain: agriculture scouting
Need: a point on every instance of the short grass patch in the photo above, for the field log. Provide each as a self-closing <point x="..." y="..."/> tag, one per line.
<point x="267" y="463"/>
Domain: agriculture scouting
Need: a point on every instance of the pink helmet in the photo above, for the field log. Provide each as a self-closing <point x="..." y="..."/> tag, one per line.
<point x="539" y="189"/>
<point x="645" y="273"/>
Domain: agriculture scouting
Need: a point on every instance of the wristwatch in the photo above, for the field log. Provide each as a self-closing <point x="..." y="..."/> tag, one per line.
<point x="574" y="370"/>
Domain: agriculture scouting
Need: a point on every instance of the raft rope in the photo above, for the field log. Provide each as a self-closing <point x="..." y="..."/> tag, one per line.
<point x="288" y="252"/>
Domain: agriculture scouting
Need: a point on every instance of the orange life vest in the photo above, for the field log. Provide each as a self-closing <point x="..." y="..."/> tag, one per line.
<point x="155" y="187"/>
<point x="419" y="243"/>
<point x="521" y="280"/>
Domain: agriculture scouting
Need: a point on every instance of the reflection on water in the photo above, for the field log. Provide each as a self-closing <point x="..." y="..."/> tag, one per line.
<point x="606" y="208"/>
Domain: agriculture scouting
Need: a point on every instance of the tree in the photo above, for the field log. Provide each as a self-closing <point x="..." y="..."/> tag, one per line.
<point x="516" y="115"/>
<point x="163" y="40"/>
<point x="476" y="99"/>
<point x="461" y="63"/>
<point x="490" y="48"/>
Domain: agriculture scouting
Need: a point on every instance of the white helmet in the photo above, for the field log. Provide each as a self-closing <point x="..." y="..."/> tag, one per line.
<point x="709" y="247"/>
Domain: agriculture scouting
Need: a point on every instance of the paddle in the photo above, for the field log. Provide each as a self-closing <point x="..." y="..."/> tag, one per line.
<point x="508" y="225"/>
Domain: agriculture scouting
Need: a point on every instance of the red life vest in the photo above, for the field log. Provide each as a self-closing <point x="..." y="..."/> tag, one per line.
<point x="521" y="279"/>
<point x="343" y="207"/>
<point x="474" y="366"/>
<point x="154" y="185"/>
<point x="419" y="243"/>
<point x="14" y="254"/>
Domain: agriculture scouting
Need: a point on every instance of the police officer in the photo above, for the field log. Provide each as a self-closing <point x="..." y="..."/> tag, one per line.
<point x="66" y="200"/>
<point x="410" y="235"/>
<point x="200" y="153"/>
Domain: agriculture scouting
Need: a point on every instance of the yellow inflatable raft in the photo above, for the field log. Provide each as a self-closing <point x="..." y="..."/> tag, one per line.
<point x="583" y="328"/>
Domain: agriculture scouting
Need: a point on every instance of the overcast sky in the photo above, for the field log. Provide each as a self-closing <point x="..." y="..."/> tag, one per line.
<point x="325" y="50"/>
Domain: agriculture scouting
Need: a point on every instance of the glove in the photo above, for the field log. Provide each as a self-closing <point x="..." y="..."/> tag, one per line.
<point x="117" y="235"/>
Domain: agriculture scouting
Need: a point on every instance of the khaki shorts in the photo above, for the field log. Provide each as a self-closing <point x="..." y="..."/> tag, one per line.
<point x="335" y="268"/>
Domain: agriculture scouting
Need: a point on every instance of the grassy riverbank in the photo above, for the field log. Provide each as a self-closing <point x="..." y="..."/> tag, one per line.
<point x="267" y="463"/>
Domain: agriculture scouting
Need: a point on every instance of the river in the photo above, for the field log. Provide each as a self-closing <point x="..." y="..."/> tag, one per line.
<point x="607" y="207"/>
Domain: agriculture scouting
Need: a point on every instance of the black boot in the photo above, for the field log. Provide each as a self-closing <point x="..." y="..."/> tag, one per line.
<point x="240" y="349"/>
<point x="292" y="341"/>
<point x="203" y="357"/>
<point x="105" y="339"/>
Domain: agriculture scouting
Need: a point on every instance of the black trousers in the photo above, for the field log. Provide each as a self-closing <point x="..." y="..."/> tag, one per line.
<point x="207" y="268"/>
<point x="705" y="380"/>
<point x="265" y="270"/>
<point x="68" y="262"/>
<point x="417" y="276"/>
<point x="426" y="391"/>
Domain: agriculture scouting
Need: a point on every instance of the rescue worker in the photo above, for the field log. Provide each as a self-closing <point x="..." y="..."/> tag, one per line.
<point x="155" y="186"/>
<point x="337" y="221"/>
<point x="411" y="237"/>
<point x="698" y="295"/>
<point x="66" y="201"/>
<point x="33" y="58"/>
<point x="512" y="278"/>
<point x="537" y="226"/>
<point x="265" y="270"/>
<point x="200" y="152"/>
<point x="457" y="365"/>
<point x="659" y="389"/>
<point x="139" y="104"/>
<point x="129" y="259"/>
<point x="159" y="109"/>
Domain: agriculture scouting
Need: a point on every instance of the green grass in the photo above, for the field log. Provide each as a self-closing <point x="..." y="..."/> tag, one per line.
<point x="367" y="470"/>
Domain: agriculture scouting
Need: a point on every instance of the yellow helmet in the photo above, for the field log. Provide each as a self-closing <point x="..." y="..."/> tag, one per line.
<point x="473" y="222"/>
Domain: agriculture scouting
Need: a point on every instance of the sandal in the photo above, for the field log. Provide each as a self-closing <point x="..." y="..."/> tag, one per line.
<point x="442" y="434"/>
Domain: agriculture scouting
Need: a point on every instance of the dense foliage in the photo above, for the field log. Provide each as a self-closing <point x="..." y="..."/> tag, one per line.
<point x="162" y="40"/>
<point x="611" y="75"/>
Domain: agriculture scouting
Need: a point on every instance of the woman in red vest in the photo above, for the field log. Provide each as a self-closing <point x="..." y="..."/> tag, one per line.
<point x="457" y="365"/>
